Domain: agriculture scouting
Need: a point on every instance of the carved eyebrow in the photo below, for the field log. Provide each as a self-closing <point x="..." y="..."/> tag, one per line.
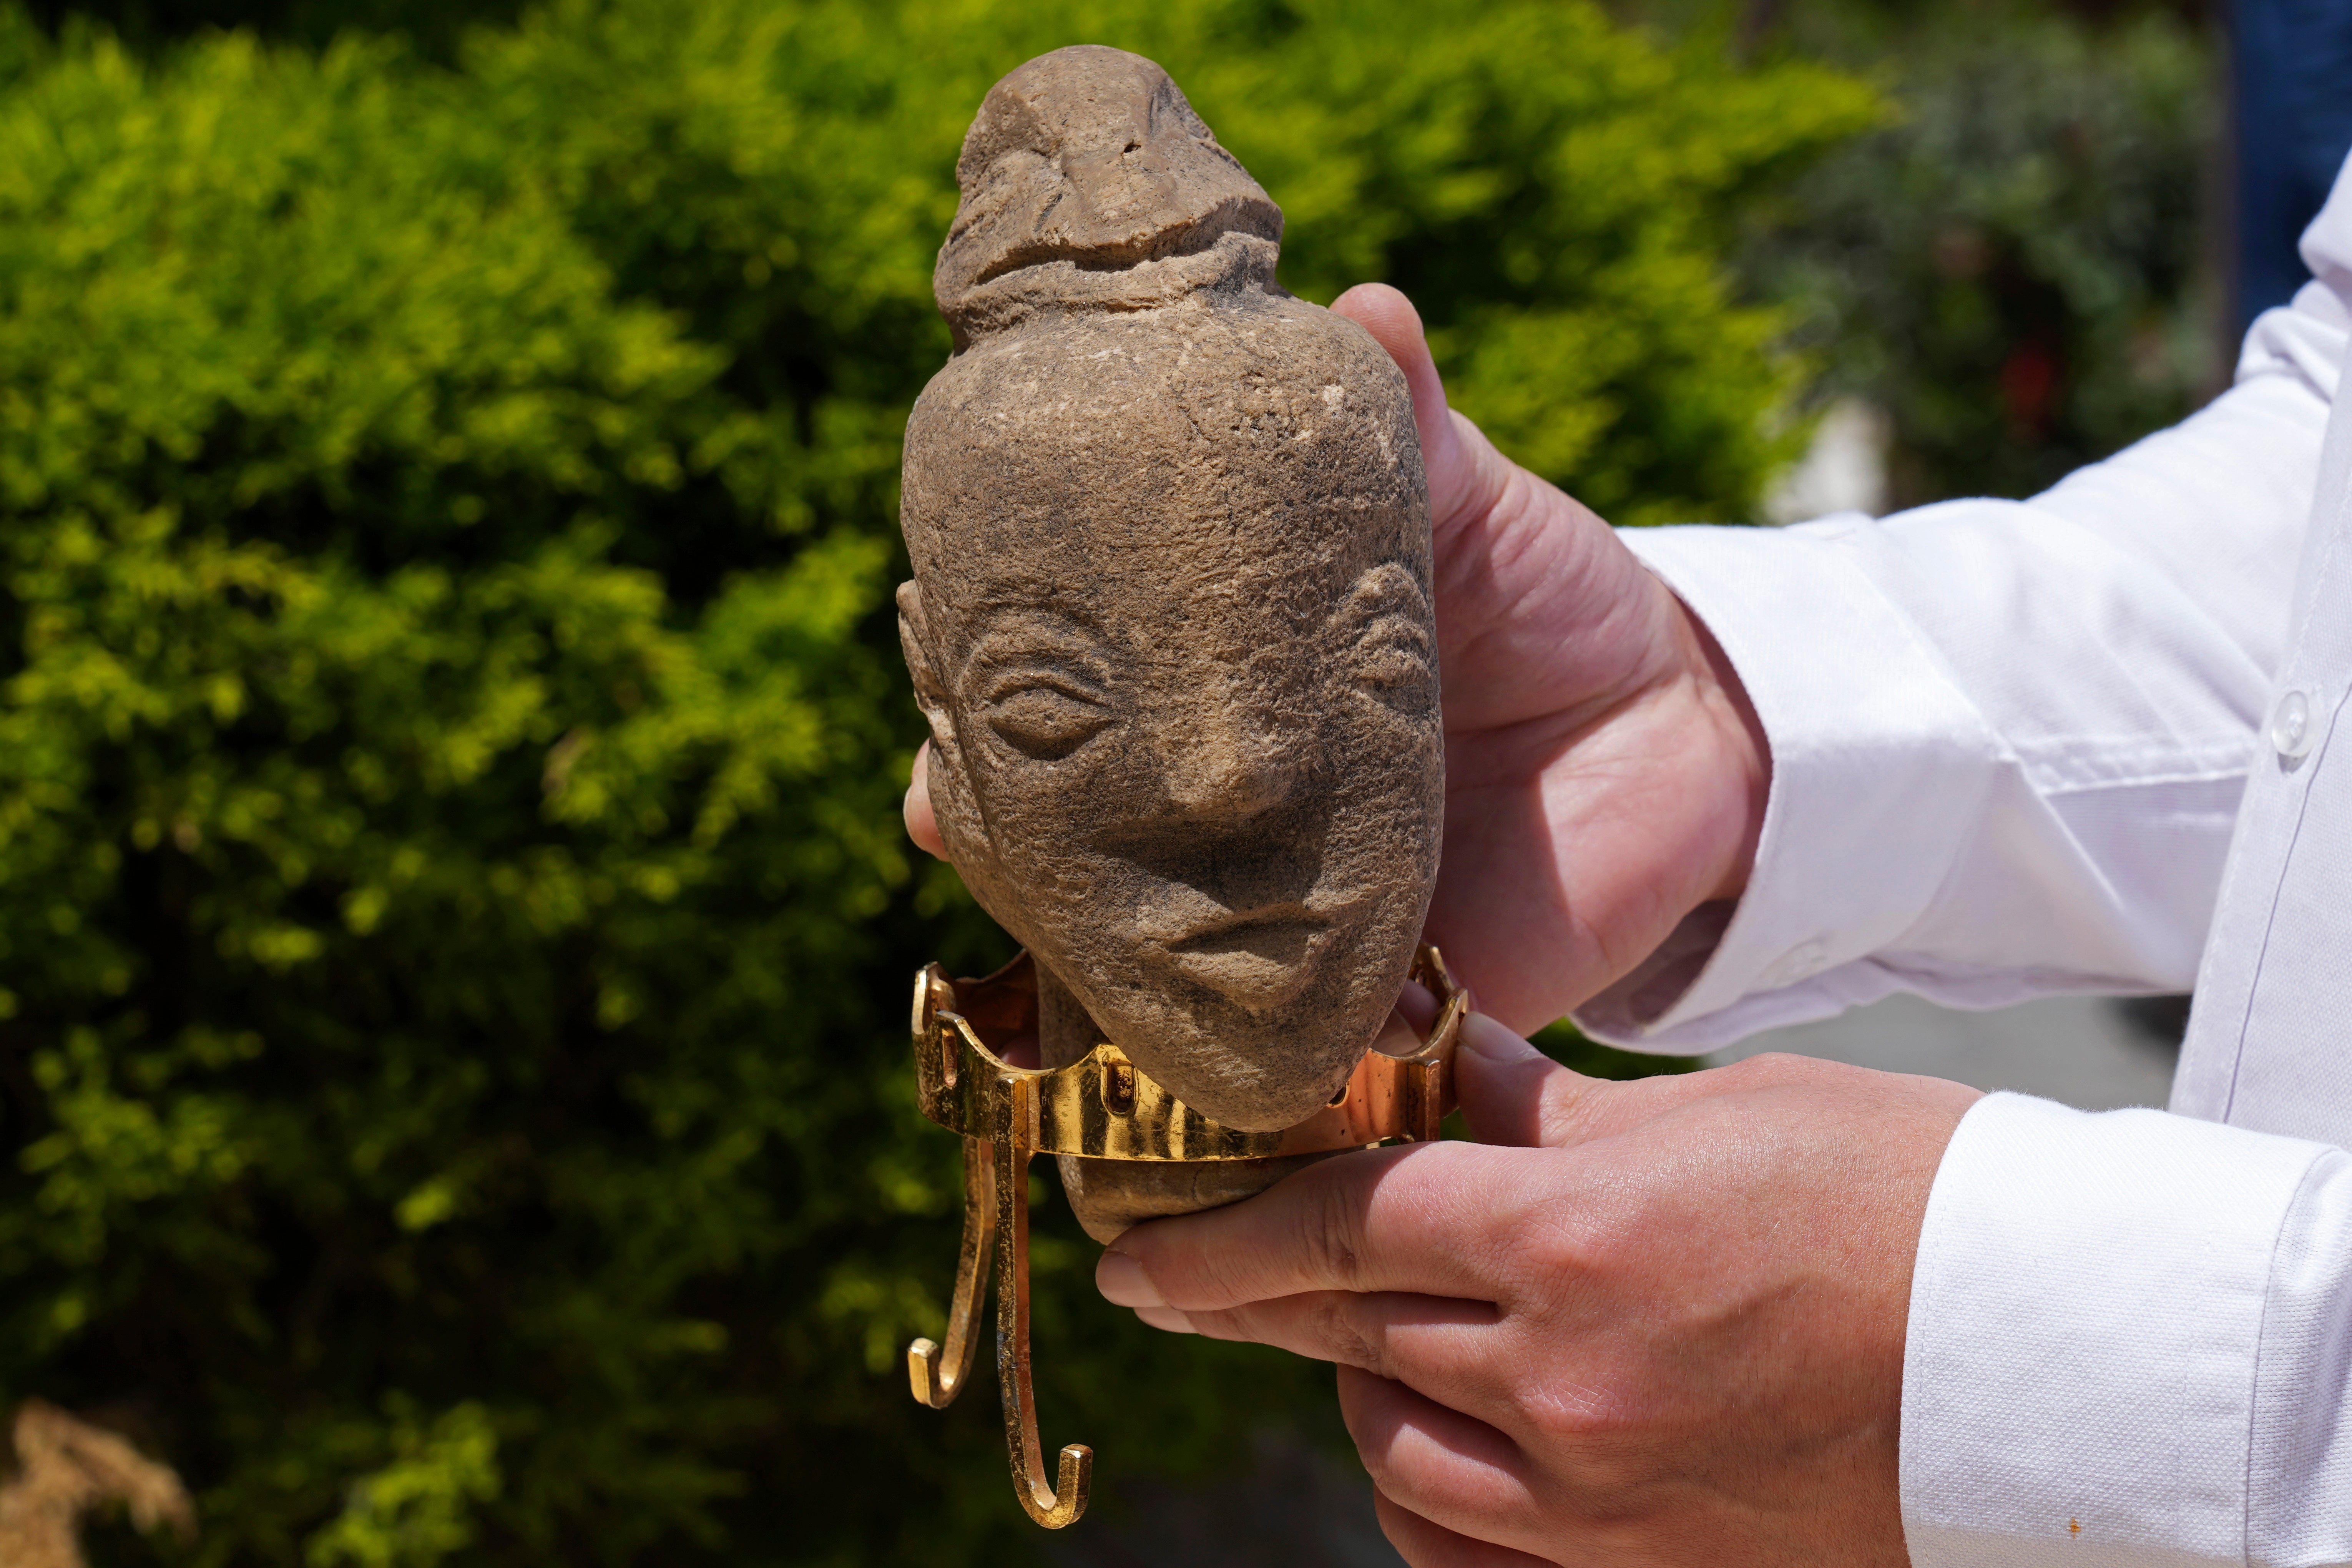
<point x="1027" y="637"/>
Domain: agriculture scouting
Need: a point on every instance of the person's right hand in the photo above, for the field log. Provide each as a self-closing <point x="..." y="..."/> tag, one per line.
<point x="1604" y="775"/>
<point x="1648" y="1323"/>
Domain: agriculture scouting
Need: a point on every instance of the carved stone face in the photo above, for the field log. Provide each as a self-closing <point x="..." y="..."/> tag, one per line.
<point x="1170" y="625"/>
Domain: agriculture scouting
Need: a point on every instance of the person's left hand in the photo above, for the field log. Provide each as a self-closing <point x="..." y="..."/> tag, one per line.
<point x="1665" y="1325"/>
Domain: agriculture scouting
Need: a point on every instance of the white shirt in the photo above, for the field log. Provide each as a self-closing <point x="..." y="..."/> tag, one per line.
<point x="2083" y="743"/>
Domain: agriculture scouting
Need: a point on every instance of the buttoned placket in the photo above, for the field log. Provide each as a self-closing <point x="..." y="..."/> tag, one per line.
<point x="2308" y="697"/>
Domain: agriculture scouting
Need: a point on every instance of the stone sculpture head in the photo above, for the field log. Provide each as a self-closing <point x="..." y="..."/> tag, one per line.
<point x="1170" y="619"/>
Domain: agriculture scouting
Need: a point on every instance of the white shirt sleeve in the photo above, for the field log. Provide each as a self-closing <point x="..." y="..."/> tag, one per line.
<point x="2009" y="738"/>
<point x="2130" y="1342"/>
<point x="2009" y="741"/>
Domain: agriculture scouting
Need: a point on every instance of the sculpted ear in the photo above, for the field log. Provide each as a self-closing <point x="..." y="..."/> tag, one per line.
<point x="945" y="792"/>
<point x="930" y="687"/>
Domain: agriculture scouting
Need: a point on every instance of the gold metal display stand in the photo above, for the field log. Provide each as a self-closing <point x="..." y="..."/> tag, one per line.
<point x="1104" y="1108"/>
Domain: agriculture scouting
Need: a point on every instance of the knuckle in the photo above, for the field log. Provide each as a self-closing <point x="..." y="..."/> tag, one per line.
<point x="1585" y="1414"/>
<point x="1599" y="1448"/>
<point x="1339" y="1327"/>
<point x="1331" y="1234"/>
<point x="1567" y="1254"/>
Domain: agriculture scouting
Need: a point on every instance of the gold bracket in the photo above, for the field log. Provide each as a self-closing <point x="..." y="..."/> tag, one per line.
<point x="1102" y="1107"/>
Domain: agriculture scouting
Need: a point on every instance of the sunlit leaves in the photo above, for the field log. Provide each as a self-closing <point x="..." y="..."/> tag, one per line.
<point x="454" y="918"/>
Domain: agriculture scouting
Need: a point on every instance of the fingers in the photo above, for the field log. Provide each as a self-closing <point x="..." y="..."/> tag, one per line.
<point x="1166" y="1319"/>
<point x="1512" y="1093"/>
<point x="1442" y="1346"/>
<point x="1426" y="1545"/>
<point x="1417" y="1007"/>
<point x="1465" y="472"/>
<point x="1395" y="325"/>
<point x="1456" y="1474"/>
<point x="1406" y="1028"/>
<point x="1431" y="1219"/>
<point x="921" y="826"/>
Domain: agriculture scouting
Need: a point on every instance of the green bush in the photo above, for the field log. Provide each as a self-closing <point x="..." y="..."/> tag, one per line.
<point x="2018" y="271"/>
<point x="453" y="922"/>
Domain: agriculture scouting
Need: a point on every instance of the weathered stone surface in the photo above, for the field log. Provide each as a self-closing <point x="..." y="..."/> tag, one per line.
<point x="1171" y="620"/>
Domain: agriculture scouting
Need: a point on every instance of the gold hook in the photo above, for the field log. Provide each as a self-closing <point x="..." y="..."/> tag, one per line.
<point x="996" y="1211"/>
<point x="936" y="1379"/>
<point x="1061" y="1503"/>
<point x="1101" y="1107"/>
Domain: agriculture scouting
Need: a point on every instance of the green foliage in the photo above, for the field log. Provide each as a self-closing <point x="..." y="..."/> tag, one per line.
<point x="417" y="1510"/>
<point x="454" y="921"/>
<point x="2016" y="270"/>
<point x="432" y="27"/>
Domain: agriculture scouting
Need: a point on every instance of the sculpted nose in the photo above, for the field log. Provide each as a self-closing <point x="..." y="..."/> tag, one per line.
<point x="1218" y="774"/>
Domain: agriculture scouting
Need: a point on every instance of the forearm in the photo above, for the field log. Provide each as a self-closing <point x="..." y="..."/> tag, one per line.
<point x="2008" y="737"/>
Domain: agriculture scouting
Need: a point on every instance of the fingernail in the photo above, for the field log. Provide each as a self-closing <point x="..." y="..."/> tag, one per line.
<point x="1123" y="1283"/>
<point x="1167" y="1318"/>
<point x="1492" y="1041"/>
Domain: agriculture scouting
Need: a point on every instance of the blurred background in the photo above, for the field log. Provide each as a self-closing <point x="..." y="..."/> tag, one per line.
<point x="455" y="924"/>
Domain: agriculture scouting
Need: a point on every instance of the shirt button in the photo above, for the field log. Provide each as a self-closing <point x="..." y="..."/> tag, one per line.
<point x="2292" y="730"/>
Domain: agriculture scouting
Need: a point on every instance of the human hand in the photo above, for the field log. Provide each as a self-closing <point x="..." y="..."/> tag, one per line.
<point x="1604" y="774"/>
<point x="1662" y="1324"/>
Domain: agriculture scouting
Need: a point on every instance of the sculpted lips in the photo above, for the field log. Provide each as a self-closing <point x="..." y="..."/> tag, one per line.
<point x="1256" y="957"/>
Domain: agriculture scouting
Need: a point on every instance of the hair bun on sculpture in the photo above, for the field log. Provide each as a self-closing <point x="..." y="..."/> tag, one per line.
<point x="1090" y="184"/>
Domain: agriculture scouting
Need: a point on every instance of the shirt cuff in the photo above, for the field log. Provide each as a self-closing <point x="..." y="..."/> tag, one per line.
<point x="1879" y="764"/>
<point x="2079" y="1377"/>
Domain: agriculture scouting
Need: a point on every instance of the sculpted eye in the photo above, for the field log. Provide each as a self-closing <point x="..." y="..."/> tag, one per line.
<point x="1394" y="661"/>
<point x="1045" y="721"/>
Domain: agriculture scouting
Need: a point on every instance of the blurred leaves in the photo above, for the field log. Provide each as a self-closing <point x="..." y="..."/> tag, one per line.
<point x="416" y="1512"/>
<point x="2016" y="270"/>
<point x="453" y="917"/>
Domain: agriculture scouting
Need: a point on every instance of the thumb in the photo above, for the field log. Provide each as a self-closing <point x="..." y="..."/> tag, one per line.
<point x="1395" y="325"/>
<point x="1512" y="1093"/>
<point x="1466" y="473"/>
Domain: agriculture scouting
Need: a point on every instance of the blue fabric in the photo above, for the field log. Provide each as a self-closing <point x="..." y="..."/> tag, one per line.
<point x="2293" y="67"/>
